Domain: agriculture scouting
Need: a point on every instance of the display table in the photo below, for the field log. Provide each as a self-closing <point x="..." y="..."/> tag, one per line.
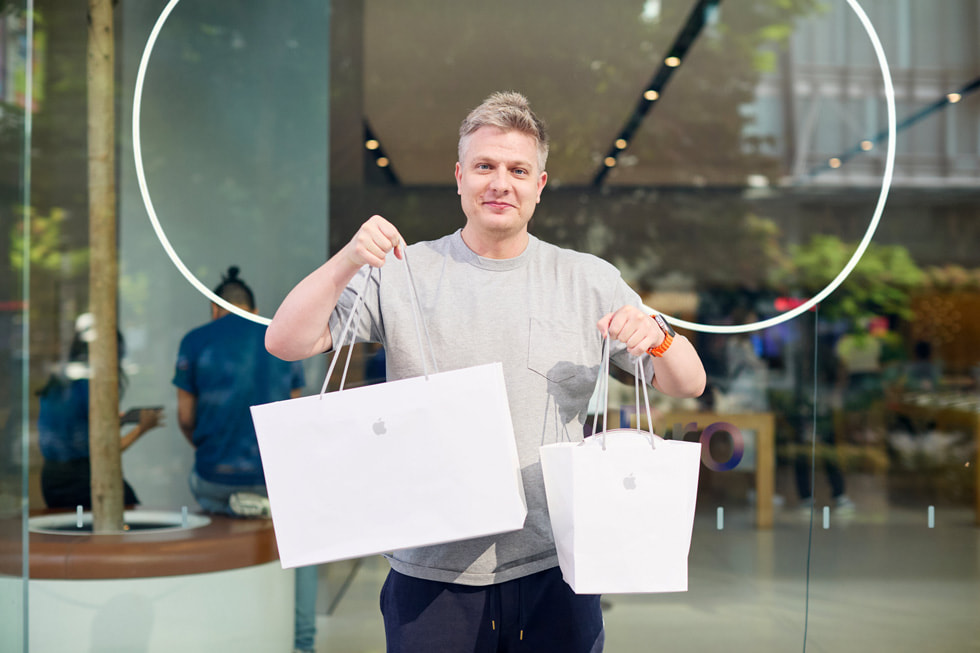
<point x="947" y="413"/>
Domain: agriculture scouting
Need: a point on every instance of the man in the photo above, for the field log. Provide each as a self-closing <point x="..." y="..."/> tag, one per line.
<point x="222" y="370"/>
<point x="491" y="292"/>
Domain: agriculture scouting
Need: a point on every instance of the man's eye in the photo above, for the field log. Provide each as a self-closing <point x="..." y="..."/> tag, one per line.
<point x="520" y="171"/>
<point x="482" y="166"/>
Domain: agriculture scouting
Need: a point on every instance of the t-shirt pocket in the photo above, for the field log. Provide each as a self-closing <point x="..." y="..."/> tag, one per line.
<point x="559" y="353"/>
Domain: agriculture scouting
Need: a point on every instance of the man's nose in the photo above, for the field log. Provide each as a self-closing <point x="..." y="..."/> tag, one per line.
<point x="499" y="181"/>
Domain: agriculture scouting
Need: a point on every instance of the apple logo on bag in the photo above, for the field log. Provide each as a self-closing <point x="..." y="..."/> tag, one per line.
<point x="379" y="427"/>
<point x="629" y="482"/>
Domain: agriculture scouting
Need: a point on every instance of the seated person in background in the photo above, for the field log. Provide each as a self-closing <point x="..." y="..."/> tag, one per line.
<point x="63" y="428"/>
<point x="223" y="369"/>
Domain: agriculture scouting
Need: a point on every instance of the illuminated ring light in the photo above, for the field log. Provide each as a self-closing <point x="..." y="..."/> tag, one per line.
<point x="694" y="326"/>
<point x="137" y="153"/>
<point x="886" y="183"/>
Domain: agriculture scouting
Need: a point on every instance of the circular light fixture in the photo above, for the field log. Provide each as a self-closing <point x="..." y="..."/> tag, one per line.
<point x="886" y="182"/>
<point x="382" y="162"/>
<point x="621" y="143"/>
<point x="695" y="326"/>
<point x="141" y="177"/>
<point x="610" y="161"/>
<point x="672" y="62"/>
<point x="834" y="162"/>
<point x="953" y="97"/>
<point x="651" y="95"/>
<point x="372" y="144"/>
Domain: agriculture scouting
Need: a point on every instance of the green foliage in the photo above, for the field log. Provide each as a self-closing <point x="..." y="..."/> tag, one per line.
<point x="46" y="247"/>
<point x="880" y="284"/>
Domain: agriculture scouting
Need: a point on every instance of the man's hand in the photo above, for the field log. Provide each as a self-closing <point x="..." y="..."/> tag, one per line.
<point x="372" y="242"/>
<point x="301" y="326"/>
<point x="679" y="373"/>
<point x="631" y="326"/>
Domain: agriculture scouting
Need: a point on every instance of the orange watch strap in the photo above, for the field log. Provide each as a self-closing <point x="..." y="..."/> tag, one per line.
<point x="662" y="348"/>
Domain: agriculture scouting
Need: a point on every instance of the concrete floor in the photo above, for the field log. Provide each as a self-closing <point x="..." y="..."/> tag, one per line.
<point x="877" y="582"/>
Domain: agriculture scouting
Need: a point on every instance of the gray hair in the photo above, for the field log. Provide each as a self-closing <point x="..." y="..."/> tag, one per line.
<point x="510" y="111"/>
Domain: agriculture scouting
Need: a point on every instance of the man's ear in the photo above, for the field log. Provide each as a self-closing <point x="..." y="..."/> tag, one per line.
<point x="215" y="311"/>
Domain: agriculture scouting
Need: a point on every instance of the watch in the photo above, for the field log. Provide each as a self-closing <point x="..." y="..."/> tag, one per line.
<point x="669" y="334"/>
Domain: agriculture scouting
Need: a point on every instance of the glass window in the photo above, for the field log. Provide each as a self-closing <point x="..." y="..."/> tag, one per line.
<point x="23" y="43"/>
<point x="234" y="138"/>
<point x="732" y="195"/>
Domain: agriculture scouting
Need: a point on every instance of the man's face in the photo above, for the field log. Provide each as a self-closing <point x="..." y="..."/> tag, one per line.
<point x="499" y="182"/>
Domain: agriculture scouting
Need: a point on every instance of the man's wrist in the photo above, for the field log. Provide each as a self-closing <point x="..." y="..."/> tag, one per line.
<point x="661" y="349"/>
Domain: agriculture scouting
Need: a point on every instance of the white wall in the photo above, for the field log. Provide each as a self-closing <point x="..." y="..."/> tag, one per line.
<point x="245" y="610"/>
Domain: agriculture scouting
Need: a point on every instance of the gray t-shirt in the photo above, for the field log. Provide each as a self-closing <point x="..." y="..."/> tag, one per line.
<point x="536" y="314"/>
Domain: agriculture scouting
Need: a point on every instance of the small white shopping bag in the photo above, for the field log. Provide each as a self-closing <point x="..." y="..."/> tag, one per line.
<point x="407" y="463"/>
<point x="622" y="517"/>
<point x="622" y="510"/>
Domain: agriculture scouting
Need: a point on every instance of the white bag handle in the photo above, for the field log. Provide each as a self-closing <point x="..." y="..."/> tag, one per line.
<point x="420" y="327"/>
<point x="602" y="385"/>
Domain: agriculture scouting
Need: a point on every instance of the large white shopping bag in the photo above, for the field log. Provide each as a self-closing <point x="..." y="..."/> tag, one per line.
<point x="407" y="463"/>
<point x="383" y="467"/>
<point x="622" y="510"/>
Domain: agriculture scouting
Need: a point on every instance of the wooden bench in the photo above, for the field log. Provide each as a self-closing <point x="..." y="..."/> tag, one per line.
<point x="224" y="543"/>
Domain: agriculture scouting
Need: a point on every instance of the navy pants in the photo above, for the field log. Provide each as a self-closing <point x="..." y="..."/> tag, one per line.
<point x="537" y="614"/>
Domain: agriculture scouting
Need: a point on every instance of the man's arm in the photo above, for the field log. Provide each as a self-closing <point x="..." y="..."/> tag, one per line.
<point x="300" y="327"/>
<point x="186" y="413"/>
<point x="679" y="372"/>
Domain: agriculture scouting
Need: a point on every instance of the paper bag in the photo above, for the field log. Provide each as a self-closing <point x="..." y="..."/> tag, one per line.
<point x="383" y="467"/>
<point x="622" y="517"/>
<point x="622" y="504"/>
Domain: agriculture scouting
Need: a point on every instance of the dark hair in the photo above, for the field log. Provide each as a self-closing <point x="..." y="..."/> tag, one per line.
<point x="78" y="353"/>
<point x="234" y="290"/>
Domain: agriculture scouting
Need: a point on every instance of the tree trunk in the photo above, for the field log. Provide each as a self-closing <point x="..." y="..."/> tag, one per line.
<point x="107" y="485"/>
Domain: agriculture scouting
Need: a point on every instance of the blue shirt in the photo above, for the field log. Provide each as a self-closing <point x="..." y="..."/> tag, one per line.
<point x="62" y="422"/>
<point x="225" y="365"/>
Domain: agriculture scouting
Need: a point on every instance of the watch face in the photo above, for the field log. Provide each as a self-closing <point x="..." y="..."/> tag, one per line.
<point x="664" y="325"/>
